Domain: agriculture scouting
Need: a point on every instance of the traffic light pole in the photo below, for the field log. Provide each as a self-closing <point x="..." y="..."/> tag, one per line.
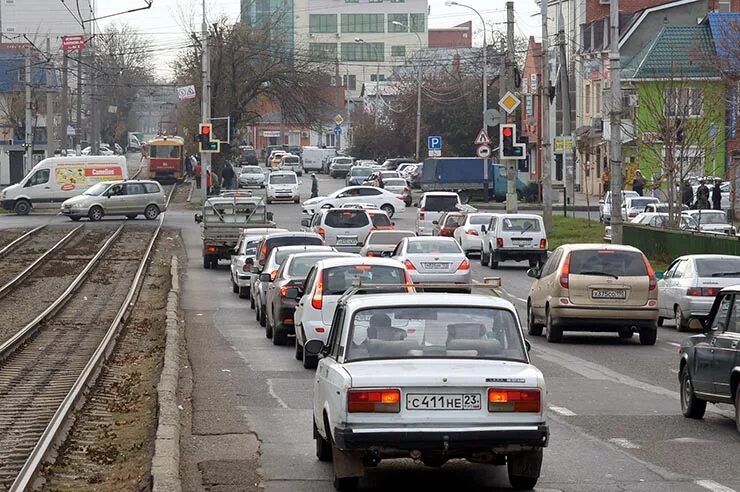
<point x="205" y="157"/>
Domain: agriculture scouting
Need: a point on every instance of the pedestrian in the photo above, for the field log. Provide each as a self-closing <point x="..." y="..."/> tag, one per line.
<point x="227" y="176"/>
<point x="638" y="183"/>
<point x="314" y="186"/>
<point x="687" y="194"/>
<point x="702" y="196"/>
<point x="717" y="195"/>
<point x="188" y="166"/>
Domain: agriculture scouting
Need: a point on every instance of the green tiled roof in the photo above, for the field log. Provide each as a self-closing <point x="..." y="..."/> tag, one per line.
<point x="679" y="52"/>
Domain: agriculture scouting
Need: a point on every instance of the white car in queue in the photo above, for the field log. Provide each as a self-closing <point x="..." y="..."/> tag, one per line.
<point x="469" y="234"/>
<point x="327" y="281"/>
<point x="384" y="200"/>
<point x="283" y="185"/>
<point x="432" y="377"/>
<point x="244" y="257"/>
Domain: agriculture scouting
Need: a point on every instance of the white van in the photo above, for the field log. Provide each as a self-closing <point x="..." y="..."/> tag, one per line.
<point x="56" y="179"/>
<point x="317" y="159"/>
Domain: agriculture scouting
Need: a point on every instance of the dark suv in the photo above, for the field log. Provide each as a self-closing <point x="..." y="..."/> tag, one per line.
<point x="710" y="362"/>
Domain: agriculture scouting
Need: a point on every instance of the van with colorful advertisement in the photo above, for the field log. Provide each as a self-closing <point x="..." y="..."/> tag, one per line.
<point x="56" y="179"/>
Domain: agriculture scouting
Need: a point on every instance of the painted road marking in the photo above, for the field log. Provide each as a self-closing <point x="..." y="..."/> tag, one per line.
<point x="562" y="411"/>
<point x="271" y="390"/>
<point x="674" y="344"/>
<point x="624" y="443"/>
<point x="713" y="486"/>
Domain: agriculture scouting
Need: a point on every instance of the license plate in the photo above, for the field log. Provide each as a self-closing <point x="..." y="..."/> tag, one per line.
<point x="436" y="266"/>
<point x="427" y="401"/>
<point x="608" y="294"/>
<point x="346" y="241"/>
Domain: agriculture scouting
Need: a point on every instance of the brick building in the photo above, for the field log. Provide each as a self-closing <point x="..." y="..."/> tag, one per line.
<point x="459" y="36"/>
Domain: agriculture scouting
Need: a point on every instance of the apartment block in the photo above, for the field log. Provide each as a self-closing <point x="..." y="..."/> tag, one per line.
<point x="38" y="19"/>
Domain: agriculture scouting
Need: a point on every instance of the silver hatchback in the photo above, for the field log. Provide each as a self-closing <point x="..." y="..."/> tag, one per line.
<point x="127" y="198"/>
<point x="435" y="260"/>
<point x="343" y="228"/>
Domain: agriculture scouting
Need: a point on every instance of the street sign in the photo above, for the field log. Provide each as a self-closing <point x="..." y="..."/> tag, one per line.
<point x="185" y="93"/>
<point x="563" y="144"/>
<point x="492" y="117"/>
<point x="482" y="138"/>
<point x="73" y="43"/>
<point x="484" y="151"/>
<point x="337" y="130"/>
<point x="338" y="119"/>
<point x="509" y="102"/>
<point x="434" y="142"/>
<point x="435" y="153"/>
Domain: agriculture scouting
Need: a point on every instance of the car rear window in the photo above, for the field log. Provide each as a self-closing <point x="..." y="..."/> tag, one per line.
<point x="360" y="171"/>
<point x="275" y="242"/>
<point x="718" y="267"/>
<point x="394" y="182"/>
<point x="300" y="266"/>
<point x="440" y="203"/>
<point x="281" y="255"/>
<point x="291" y="160"/>
<point x="388" y="237"/>
<point x="381" y="220"/>
<point x="607" y="262"/>
<point x="433" y="247"/>
<point x="714" y="217"/>
<point x="346" y="218"/>
<point x="454" y="221"/>
<point x="480" y="219"/>
<point x="520" y="224"/>
<point x="641" y="202"/>
<point x="337" y="280"/>
<point x="151" y="187"/>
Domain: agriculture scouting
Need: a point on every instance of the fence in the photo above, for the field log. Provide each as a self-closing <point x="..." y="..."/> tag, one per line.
<point x="668" y="244"/>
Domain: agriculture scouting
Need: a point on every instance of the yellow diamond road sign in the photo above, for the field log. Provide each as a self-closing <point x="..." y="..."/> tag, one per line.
<point x="509" y="102"/>
<point x="338" y="119"/>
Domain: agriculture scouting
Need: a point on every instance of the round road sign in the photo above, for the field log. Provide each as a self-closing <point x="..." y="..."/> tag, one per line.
<point x="484" y="151"/>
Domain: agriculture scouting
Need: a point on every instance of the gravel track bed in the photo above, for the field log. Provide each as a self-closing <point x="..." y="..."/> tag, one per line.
<point x="38" y="291"/>
<point x="27" y="252"/>
<point x="34" y="380"/>
<point x="7" y="236"/>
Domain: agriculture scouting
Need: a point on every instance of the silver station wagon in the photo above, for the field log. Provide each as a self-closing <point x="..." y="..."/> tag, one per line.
<point x="127" y="198"/>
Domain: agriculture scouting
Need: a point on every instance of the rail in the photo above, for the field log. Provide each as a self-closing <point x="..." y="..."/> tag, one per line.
<point x="7" y="249"/>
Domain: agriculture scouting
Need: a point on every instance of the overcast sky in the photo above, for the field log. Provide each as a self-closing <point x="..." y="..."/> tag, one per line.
<point x="161" y="24"/>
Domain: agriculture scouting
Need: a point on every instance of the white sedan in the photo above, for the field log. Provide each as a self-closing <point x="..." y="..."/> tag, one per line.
<point x="431" y="377"/>
<point x="468" y="235"/>
<point x="384" y="200"/>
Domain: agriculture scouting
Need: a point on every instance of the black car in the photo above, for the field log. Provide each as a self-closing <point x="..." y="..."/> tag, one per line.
<point x="710" y="361"/>
<point x="248" y="158"/>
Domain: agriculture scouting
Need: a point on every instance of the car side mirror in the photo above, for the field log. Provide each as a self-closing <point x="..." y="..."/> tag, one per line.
<point x="527" y="344"/>
<point x="696" y="324"/>
<point x="313" y="347"/>
<point x="265" y="277"/>
<point x="435" y="222"/>
<point x="305" y="222"/>
<point x="198" y="218"/>
<point x="291" y="293"/>
<point x="533" y="273"/>
<point x="255" y="270"/>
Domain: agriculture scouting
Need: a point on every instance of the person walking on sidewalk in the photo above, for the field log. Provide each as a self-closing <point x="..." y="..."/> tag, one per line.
<point x="314" y="186"/>
<point x="198" y="170"/>
<point x="717" y="195"/>
<point x="638" y="184"/>
<point x="227" y="176"/>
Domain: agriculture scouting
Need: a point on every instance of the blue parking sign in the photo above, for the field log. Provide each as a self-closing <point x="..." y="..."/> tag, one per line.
<point x="434" y="142"/>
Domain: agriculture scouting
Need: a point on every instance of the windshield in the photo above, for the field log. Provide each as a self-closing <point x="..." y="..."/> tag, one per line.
<point x="689" y="222"/>
<point x="705" y="217"/>
<point x="434" y="332"/>
<point x="641" y="202"/>
<point x="301" y="265"/>
<point x="282" y="179"/>
<point x="337" y="280"/>
<point x="346" y="218"/>
<point x="251" y="170"/>
<point x="520" y="224"/>
<point x="97" y="189"/>
<point x="718" y="267"/>
<point x="164" y="151"/>
<point x="607" y="262"/>
<point x="387" y="237"/>
<point x="291" y="160"/>
<point x="361" y="171"/>
<point x="394" y="182"/>
<point x="433" y="247"/>
<point x="440" y="203"/>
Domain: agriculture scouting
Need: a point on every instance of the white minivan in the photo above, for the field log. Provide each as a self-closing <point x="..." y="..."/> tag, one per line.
<point x="55" y="179"/>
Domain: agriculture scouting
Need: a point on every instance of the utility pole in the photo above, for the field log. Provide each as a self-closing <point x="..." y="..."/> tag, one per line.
<point x="511" y="164"/>
<point x="417" y="155"/>
<point x="338" y="136"/>
<point x="564" y="96"/>
<point x="545" y="144"/>
<point x="205" y="157"/>
<point x="29" y="116"/>
<point x="78" y="122"/>
<point x="50" y="140"/>
<point x="93" y="74"/>
<point x="615" y="144"/>
<point x="64" y="123"/>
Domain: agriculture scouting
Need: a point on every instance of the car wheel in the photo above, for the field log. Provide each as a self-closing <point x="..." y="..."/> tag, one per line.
<point x="310" y="361"/>
<point x="207" y="262"/>
<point x="151" y="212"/>
<point x="648" y="335"/>
<point x="75" y="218"/>
<point x="533" y="329"/>
<point x="131" y="216"/>
<point x="388" y="209"/>
<point x="298" y="351"/>
<point x="214" y="262"/>
<point x="530" y="461"/>
<point x="323" y="446"/>
<point x="681" y="322"/>
<point x="554" y="332"/>
<point x="492" y="260"/>
<point x="483" y="258"/>
<point x="279" y="337"/>
<point x="660" y="320"/>
<point x="22" y="207"/>
<point x="234" y="287"/>
<point x="263" y="318"/>
<point x="251" y="300"/>
<point x="534" y="263"/>
<point x="96" y="213"/>
<point x="691" y="406"/>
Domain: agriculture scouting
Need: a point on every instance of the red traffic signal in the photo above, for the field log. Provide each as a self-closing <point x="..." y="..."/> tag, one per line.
<point x="507" y="131"/>
<point x="509" y="148"/>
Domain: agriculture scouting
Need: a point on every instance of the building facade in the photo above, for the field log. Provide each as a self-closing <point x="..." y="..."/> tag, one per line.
<point x="38" y="19"/>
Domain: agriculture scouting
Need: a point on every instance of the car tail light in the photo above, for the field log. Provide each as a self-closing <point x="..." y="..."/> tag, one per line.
<point x="471" y="232"/>
<point x="318" y="298"/>
<point x="409" y="265"/>
<point x="465" y="265"/>
<point x="374" y="401"/>
<point x="710" y="291"/>
<point x="283" y="291"/>
<point x="421" y="214"/>
<point x="370" y="254"/>
<point x="288" y="321"/>
<point x="693" y="291"/>
<point x="409" y="282"/>
<point x="319" y="329"/>
<point x="406" y="190"/>
<point x="565" y="272"/>
<point x="543" y="243"/>
<point x="499" y="242"/>
<point x="445" y="232"/>
<point x="651" y="273"/>
<point x="273" y="274"/>
<point x="322" y="232"/>
<point x="514" y="400"/>
<point x="212" y="249"/>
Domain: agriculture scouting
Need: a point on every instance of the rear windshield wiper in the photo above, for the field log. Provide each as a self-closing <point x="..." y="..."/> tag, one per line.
<point x="528" y="227"/>
<point x="601" y="274"/>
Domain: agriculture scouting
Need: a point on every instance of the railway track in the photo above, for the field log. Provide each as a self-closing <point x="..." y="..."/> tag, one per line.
<point x="47" y="365"/>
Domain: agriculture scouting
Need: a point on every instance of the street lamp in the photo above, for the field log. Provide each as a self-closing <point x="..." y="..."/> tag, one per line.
<point x="418" y="90"/>
<point x="450" y="3"/>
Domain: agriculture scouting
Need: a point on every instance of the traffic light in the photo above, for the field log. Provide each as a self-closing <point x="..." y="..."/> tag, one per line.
<point x="508" y="146"/>
<point x="207" y="143"/>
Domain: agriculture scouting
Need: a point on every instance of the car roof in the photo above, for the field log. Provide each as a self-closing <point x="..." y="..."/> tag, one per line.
<point x="358" y="260"/>
<point x="260" y="231"/>
<point x="281" y="173"/>
<point x="380" y="232"/>
<point x="430" y="239"/>
<point x="431" y="299"/>
<point x="521" y="216"/>
<point x="707" y="257"/>
<point x="328" y="252"/>
<point x="303" y="247"/>
<point x="598" y="246"/>
<point x="291" y="234"/>
<point x="440" y="193"/>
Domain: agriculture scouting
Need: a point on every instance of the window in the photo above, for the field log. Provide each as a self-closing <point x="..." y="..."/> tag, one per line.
<point x="362" y="23"/>
<point x="398" y="51"/>
<point x="363" y="52"/>
<point x="377" y="77"/>
<point x="39" y="177"/>
<point x="725" y="6"/>
<point x="587" y="98"/>
<point x="337" y="280"/>
<point x="684" y="102"/>
<point x="319" y="23"/>
<point x="164" y="151"/>
<point x="552" y="263"/>
<point x="151" y="187"/>
<point x="597" y="98"/>
<point x="682" y="269"/>
<point x="134" y="189"/>
<point x="369" y="192"/>
<point x="417" y="22"/>
<point x="400" y="18"/>
<point x="350" y="82"/>
<point x="322" y="51"/>
<point x="607" y="262"/>
<point x="351" y="1"/>
<point x="397" y="1"/>
<point x="719" y="323"/>
<point x="440" y="203"/>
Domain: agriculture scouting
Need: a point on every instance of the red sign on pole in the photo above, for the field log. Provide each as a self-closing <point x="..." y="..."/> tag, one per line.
<point x="73" y="43"/>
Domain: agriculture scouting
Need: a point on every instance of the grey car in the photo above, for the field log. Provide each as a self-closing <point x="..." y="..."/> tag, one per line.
<point x="690" y="284"/>
<point x="344" y="228"/>
<point x="251" y="176"/>
<point x="382" y="243"/>
<point x="127" y="198"/>
<point x="435" y="260"/>
<point x="340" y="166"/>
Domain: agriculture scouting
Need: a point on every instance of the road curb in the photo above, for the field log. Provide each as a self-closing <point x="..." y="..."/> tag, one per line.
<point x="166" y="460"/>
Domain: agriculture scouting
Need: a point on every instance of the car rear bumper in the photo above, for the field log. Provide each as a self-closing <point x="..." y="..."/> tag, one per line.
<point x="602" y="319"/>
<point x="520" y="254"/>
<point x="242" y="280"/>
<point x="441" y="278"/>
<point x="451" y="439"/>
<point x="471" y="243"/>
<point x="696" y="307"/>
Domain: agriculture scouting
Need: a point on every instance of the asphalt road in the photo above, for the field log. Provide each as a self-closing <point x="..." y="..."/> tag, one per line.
<point x="613" y="404"/>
